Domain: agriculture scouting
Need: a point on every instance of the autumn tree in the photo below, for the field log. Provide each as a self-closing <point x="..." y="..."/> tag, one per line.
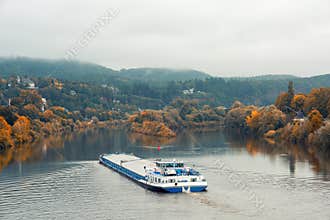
<point x="236" y="117"/>
<point x="314" y="122"/>
<point x="318" y="99"/>
<point x="253" y="120"/>
<point x="31" y="97"/>
<point x="59" y="111"/>
<point x="5" y="133"/>
<point x="298" y="133"/>
<point x="187" y="108"/>
<point x="265" y="119"/>
<point x="48" y="116"/>
<point x="30" y="111"/>
<point x="21" y="130"/>
<point x="298" y="101"/>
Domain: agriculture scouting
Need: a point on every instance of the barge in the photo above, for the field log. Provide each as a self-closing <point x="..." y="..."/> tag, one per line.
<point x="156" y="175"/>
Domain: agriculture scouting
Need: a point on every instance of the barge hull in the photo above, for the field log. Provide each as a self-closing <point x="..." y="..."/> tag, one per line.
<point x="126" y="166"/>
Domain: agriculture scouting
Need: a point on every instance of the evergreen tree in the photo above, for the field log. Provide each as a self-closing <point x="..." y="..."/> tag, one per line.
<point x="290" y="93"/>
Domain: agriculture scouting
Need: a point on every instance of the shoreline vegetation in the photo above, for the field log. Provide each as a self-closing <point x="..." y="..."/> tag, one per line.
<point x="253" y="146"/>
<point x="29" y="111"/>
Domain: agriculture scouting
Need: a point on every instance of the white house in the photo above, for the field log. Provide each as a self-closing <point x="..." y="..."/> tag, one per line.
<point x="188" y="91"/>
<point x="44" y="104"/>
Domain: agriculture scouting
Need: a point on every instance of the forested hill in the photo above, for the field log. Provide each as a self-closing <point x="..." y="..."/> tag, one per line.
<point x="88" y="72"/>
<point x="162" y="74"/>
<point x="60" y="69"/>
<point x="138" y="86"/>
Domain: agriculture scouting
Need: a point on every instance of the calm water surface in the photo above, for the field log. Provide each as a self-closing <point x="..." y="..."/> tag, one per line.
<point x="59" y="179"/>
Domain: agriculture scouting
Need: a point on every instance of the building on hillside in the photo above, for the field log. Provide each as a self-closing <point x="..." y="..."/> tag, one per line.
<point x="188" y="91"/>
<point x="57" y="84"/>
<point x="44" y="104"/>
<point x="299" y="119"/>
<point x="116" y="101"/>
<point x="28" y="83"/>
<point x="73" y="93"/>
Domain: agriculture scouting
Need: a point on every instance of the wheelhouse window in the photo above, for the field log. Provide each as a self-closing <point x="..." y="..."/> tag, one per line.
<point x="169" y="165"/>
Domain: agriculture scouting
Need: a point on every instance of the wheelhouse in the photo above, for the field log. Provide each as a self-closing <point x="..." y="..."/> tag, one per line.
<point x="164" y="165"/>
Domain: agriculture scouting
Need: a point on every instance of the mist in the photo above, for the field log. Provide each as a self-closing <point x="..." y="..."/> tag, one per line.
<point x="223" y="38"/>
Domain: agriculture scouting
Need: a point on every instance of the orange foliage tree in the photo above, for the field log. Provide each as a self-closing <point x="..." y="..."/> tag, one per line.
<point x="5" y="133"/>
<point x="318" y="99"/>
<point x="31" y="97"/>
<point x="48" y="115"/>
<point x="314" y="122"/>
<point x="30" y="111"/>
<point x="21" y="130"/>
<point x="156" y="129"/>
<point x="298" y="133"/>
<point x="298" y="101"/>
<point x="253" y="119"/>
<point x="265" y="119"/>
<point x="59" y="111"/>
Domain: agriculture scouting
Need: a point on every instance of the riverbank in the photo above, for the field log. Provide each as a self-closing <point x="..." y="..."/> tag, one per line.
<point x="29" y="117"/>
<point x="302" y="119"/>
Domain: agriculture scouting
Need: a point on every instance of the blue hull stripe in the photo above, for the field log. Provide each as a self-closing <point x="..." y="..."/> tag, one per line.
<point x="179" y="189"/>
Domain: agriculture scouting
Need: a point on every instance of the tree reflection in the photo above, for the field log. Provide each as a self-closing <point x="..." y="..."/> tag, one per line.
<point x="30" y="153"/>
<point x="5" y="158"/>
<point x="320" y="165"/>
<point x="149" y="141"/>
<point x="90" y="144"/>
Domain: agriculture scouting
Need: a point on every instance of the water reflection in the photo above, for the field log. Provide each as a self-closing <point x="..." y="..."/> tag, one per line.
<point x="149" y="141"/>
<point x="290" y="153"/>
<point x="30" y="153"/>
<point x="88" y="145"/>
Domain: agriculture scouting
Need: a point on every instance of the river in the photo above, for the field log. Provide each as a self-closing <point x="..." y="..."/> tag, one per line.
<point x="60" y="178"/>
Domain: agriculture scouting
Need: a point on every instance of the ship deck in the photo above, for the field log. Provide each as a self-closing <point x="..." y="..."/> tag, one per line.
<point x="130" y="162"/>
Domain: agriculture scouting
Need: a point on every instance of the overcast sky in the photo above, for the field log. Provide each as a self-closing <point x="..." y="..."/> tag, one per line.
<point x="225" y="38"/>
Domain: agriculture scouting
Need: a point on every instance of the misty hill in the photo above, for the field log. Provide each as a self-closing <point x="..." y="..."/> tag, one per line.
<point x="89" y="72"/>
<point x="162" y="74"/>
<point x="61" y="69"/>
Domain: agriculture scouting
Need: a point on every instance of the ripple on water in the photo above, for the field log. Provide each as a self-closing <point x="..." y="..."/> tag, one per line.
<point x="86" y="190"/>
<point x="20" y="193"/>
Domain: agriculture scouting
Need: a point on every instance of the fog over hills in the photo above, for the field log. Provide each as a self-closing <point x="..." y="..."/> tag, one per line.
<point x="84" y="71"/>
<point x="161" y="85"/>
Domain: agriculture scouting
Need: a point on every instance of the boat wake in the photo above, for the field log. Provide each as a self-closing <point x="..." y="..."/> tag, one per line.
<point x="204" y="199"/>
